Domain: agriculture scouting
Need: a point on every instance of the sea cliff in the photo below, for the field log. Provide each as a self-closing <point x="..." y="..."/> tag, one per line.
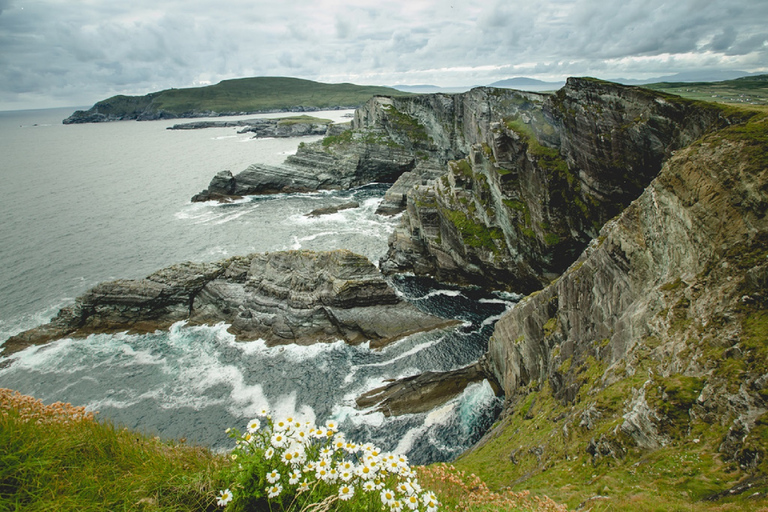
<point x="636" y="223"/>
<point x="636" y="220"/>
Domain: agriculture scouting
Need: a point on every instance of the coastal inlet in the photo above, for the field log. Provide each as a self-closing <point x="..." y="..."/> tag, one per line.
<point x="195" y="381"/>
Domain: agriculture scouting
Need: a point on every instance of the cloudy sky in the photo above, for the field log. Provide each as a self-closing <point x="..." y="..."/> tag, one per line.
<point x="76" y="52"/>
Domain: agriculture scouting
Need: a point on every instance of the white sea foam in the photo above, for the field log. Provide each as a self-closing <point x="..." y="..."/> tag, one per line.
<point x="438" y="416"/>
<point x="231" y="217"/>
<point x="435" y="293"/>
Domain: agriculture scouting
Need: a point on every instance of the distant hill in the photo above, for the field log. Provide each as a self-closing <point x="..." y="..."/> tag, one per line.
<point x="687" y="76"/>
<point x="429" y="89"/>
<point x="751" y="89"/>
<point x="527" y="84"/>
<point x="232" y="97"/>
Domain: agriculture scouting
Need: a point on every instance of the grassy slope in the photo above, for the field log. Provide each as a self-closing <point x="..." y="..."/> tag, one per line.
<point x="58" y="458"/>
<point x="746" y="90"/>
<point x="247" y="95"/>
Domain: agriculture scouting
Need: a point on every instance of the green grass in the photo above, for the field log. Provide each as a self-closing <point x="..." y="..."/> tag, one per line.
<point x="245" y="95"/>
<point x="304" y="119"/>
<point x="751" y="90"/>
<point x="89" y="465"/>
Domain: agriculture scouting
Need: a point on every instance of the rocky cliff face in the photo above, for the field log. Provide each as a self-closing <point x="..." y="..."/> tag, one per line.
<point x="656" y="337"/>
<point x="298" y="297"/>
<point x="529" y="179"/>
<point x="340" y="161"/>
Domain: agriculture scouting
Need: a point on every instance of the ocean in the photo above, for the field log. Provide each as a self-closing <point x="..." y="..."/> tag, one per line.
<point x="88" y="203"/>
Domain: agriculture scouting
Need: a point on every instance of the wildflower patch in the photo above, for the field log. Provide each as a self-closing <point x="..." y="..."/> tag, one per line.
<point x="292" y="465"/>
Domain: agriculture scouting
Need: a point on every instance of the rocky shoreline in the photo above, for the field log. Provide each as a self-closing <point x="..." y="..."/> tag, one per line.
<point x="284" y="127"/>
<point x="635" y="221"/>
<point x="300" y="297"/>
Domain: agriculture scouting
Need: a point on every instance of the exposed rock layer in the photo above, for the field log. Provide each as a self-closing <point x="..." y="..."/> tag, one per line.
<point x="279" y="128"/>
<point x="423" y="392"/>
<point x="283" y="297"/>
<point x="659" y="329"/>
<point x="531" y="178"/>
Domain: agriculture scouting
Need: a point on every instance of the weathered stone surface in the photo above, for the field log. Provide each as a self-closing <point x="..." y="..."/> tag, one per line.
<point x="320" y="166"/>
<point x="528" y="179"/>
<point x="298" y="297"/>
<point x="668" y="292"/>
<point x="328" y="210"/>
<point x="264" y="127"/>
<point x="422" y="392"/>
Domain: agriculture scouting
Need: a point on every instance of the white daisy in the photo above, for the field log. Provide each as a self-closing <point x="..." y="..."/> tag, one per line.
<point x="269" y="453"/>
<point x="294" y="477"/>
<point x="366" y="472"/>
<point x="224" y="498"/>
<point x="273" y="476"/>
<point x="278" y="440"/>
<point x="254" y="425"/>
<point x="412" y="502"/>
<point x="346" y="492"/>
<point x="274" y="491"/>
<point x="387" y="497"/>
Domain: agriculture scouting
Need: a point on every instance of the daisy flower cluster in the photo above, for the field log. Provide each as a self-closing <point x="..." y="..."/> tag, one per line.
<point x="295" y="463"/>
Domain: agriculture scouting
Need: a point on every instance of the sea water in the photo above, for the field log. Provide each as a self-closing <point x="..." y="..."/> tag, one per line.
<point x="88" y="203"/>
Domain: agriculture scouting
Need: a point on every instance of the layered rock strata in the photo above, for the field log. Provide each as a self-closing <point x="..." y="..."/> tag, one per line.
<point x="337" y="162"/>
<point x="500" y="188"/>
<point x="656" y="335"/>
<point x="425" y="391"/>
<point x="297" y="297"/>
<point x="279" y="128"/>
<point x="529" y="178"/>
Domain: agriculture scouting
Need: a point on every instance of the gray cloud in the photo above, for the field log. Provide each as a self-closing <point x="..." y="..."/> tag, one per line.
<point x="57" y="53"/>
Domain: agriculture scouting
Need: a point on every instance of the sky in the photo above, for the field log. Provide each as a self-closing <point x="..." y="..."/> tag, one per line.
<point x="57" y="53"/>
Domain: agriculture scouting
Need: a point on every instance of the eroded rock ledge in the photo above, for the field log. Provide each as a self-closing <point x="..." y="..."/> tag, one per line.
<point x="425" y="391"/>
<point x="300" y="297"/>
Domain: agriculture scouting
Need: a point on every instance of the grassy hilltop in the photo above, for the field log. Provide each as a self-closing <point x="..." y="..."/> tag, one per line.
<point x="237" y="96"/>
<point x="748" y="90"/>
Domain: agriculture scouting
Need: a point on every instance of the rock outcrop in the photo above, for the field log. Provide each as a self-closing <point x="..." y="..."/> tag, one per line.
<point x="528" y="179"/>
<point x="335" y="163"/>
<point x="425" y="391"/>
<point x="279" y="128"/>
<point x="297" y="297"/>
<point x="500" y="188"/>
<point x="656" y="337"/>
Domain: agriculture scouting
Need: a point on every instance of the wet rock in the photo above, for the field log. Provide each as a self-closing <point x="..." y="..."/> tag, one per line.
<point x="300" y="297"/>
<point x="328" y="210"/>
<point x="421" y="393"/>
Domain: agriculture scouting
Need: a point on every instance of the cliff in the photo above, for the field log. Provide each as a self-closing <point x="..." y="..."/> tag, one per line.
<point x="652" y="348"/>
<point x="500" y="188"/>
<point x="529" y="179"/>
<point x="298" y="297"/>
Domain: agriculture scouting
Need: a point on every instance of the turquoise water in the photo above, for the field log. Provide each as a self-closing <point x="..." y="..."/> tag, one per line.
<point x="88" y="203"/>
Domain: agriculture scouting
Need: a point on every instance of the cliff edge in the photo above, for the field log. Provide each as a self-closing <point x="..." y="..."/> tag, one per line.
<point x="652" y="348"/>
